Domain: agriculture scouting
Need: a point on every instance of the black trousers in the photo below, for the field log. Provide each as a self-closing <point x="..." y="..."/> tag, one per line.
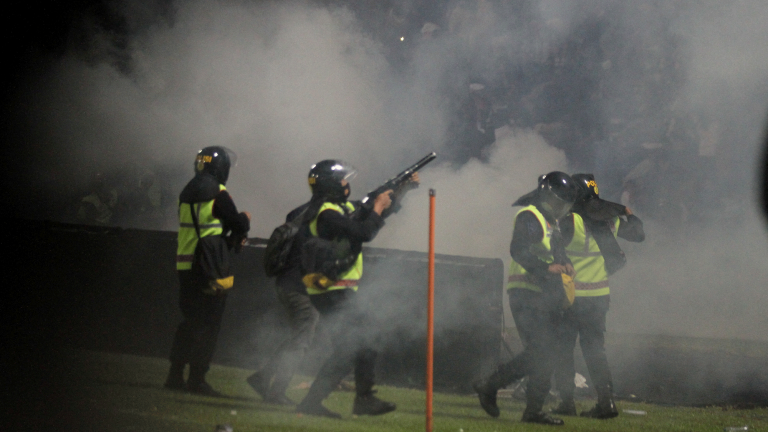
<point x="352" y="338"/>
<point x="536" y="320"/>
<point x="196" y="336"/>
<point x="303" y="318"/>
<point x="585" y="320"/>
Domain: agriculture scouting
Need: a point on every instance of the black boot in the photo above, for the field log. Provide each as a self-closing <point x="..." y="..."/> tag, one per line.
<point x="202" y="388"/>
<point x="312" y="402"/>
<point x="605" y="407"/>
<point x="197" y="384"/>
<point x="175" y="380"/>
<point x="368" y="404"/>
<point x="316" y="409"/>
<point x="259" y="382"/>
<point x="486" y="393"/>
<point x="275" y="398"/>
<point x="566" y="407"/>
<point x="504" y="375"/>
<point x="541" y="418"/>
<point x="287" y="363"/>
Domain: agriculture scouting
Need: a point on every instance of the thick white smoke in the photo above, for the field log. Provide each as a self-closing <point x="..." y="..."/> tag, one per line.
<point x="473" y="204"/>
<point x="289" y="84"/>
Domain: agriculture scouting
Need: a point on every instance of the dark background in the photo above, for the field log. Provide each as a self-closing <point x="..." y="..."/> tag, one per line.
<point x="115" y="290"/>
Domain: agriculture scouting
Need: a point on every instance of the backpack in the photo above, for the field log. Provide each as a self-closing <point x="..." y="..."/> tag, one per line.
<point x="280" y="243"/>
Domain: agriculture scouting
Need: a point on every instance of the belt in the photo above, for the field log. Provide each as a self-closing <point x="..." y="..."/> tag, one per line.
<point x="346" y="282"/>
<point x="586" y="286"/>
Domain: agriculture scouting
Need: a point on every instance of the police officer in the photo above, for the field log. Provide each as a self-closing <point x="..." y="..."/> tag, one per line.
<point x="590" y="234"/>
<point x="349" y="327"/>
<point x="205" y="209"/>
<point x="273" y="379"/>
<point x="536" y="295"/>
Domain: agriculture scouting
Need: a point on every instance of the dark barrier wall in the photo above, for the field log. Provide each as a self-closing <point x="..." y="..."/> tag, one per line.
<point x="116" y="290"/>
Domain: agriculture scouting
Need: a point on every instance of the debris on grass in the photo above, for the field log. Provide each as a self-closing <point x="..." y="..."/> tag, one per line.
<point x="634" y="412"/>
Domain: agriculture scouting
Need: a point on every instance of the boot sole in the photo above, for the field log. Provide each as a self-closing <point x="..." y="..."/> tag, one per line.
<point x="388" y="410"/>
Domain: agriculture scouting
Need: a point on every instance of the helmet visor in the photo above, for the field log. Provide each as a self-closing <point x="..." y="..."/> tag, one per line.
<point x="231" y="155"/>
<point x="554" y="205"/>
<point x="343" y="171"/>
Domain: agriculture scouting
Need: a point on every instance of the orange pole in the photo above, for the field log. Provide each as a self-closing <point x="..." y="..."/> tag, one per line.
<point x="430" y="306"/>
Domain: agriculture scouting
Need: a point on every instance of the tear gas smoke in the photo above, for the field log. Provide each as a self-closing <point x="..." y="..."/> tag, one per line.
<point x="289" y="84"/>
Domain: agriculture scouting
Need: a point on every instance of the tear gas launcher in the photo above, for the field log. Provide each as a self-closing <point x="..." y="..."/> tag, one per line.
<point x="399" y="184"/>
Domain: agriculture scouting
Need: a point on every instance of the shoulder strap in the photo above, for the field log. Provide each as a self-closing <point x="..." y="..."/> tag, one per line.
<point x="194" y="219"/>
<point x="302" y="217"/>
<point x="310" y="211"/>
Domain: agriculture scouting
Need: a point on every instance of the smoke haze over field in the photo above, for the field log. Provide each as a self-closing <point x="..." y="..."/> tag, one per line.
<point x="286" y="84"/>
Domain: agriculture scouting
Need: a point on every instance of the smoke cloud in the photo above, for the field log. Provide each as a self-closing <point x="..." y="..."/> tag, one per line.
<point x="286" y="84"/>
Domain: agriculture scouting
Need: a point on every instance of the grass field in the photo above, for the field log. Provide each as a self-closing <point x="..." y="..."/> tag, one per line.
<point x="114" y="392"/>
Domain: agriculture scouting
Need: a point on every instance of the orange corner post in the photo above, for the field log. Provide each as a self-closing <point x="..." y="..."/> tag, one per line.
<point x="430" y="306"/>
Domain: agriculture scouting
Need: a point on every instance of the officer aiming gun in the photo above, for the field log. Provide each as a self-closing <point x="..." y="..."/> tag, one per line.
<point x="399" y="184"/>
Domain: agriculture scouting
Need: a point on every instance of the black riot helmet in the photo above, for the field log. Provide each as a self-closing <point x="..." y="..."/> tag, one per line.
<point x="556" y="194"/>
<point x="325" y="179"/>
<point x="216" y="161"/>
<point x="590" y="205"/>
<point x="587" y="186"/>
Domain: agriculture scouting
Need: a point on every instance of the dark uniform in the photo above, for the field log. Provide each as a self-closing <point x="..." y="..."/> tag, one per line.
<point x="350" y="328"/>
<point x="202" y="304"/>
<point x="586" y="318"/>
<point x="272" y="380"/>
<point x="536" y="296"/>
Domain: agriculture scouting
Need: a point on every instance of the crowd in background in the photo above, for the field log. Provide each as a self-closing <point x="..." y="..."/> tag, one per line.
<point x="133" y="197"/>
<point x="607" y="92"/>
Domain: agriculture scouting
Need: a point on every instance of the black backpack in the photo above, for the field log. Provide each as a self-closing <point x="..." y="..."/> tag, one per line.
<point x="280" y="243"/>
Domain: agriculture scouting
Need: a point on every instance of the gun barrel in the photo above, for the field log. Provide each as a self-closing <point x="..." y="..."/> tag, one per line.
<point x="415" y="167"/>
<point x="398" y="179"/>
<point x="420" y="164"/>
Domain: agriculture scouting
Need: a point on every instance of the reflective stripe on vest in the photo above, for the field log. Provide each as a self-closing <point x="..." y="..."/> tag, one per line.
<point x="518" y="276"/>
<point x="351" y="278"/>
<point x="187" y="239"/>
<point x="591" y="278"/>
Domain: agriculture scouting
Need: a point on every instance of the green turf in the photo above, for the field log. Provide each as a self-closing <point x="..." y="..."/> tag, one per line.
<point x="112" y="392"/>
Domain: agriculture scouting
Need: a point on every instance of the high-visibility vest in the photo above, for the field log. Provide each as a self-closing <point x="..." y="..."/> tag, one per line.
<point x="591" y="278"/>
<point x="350" y="278"/>
<point x="518" y="276"/>
<point x="187" y="239"/>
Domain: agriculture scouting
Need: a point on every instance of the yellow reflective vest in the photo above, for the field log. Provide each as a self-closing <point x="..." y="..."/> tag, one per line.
<point x="518" y="276"/>
<point x="591" y="278"/>
<point x="187" y="239"/>
<point x="351" y="278"/>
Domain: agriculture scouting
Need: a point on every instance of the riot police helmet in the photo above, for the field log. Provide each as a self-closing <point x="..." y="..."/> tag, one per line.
<point x="329" y="179"/>
<point x="216" y="161"/>
<point x="587" y="186"/>
<point x="556" y="194"/>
